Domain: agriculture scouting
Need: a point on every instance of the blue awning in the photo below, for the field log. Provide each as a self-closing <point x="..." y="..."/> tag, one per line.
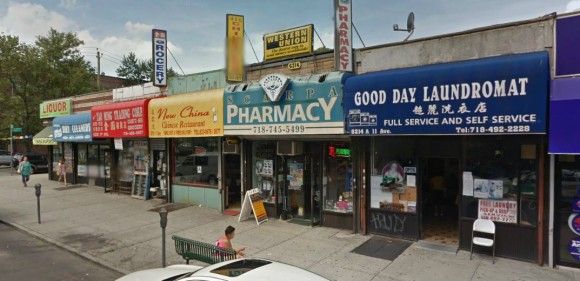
<point x="564" y="133"/>
<point x="72" y="128"/>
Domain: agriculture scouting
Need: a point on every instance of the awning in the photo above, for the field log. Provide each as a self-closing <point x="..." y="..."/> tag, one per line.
<point x="564" y="133"/>
<point x="120" y="120"/>
<point x="306" y="105"/>
<point x="198" y="114"/>
<point x="72" y="128"/>
<point x="44" y="137"/>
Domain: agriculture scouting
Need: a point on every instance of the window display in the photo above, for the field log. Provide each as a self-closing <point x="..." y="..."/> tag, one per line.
<point x="263" y="163"/>
<point x="68" y="157"/>
<point x="133" y="158"/>
<point x="196" y="162"/>
<point x="82" y="161"/>
<point x="393" y="178"/>
<point x="339" y="180"/>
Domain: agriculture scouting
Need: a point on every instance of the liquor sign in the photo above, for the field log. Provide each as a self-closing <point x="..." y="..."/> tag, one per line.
<point x="72" y="128"/>
<point x="54" y="108"/>
<point x="189" y="115"/>
<point x="120" y="120"/>
<point x="343" y="35"/>
<point x="159" y="40"/>
<point x="288" y="107"/>
<point x="235" y="48"/>
<point x="289" y="42"/>
<point x="498" y="210"/>
<point x="498" y="95"/>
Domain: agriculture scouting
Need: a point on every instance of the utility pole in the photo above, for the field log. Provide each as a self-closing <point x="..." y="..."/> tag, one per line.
<point x="11" y="150"/>
<point x="98" y="70"/>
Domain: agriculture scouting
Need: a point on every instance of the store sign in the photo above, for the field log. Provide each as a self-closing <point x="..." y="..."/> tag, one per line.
<point x="574" y="223"/>
<point x="498" y="210"/>
<point x="567" y="45"/>
<point x="254" y="204"/>
<point x="343" y="35"/>
<point x="274" y="85"/>
<point x="43" y="141"/>
<point x="235" y="48"/>
<point x="289" y="42"/>
<point x="574" y="248"/>
<point x="304" y="107"/>
<point x="54" y="108"/>
<point x="120" y="120"/>
<point x="159" y="41"/>
<point x="564" y="126"/>
<point x="499" y="95"/>
<point x="72" y="128"/>
<point x="189" y="115"/>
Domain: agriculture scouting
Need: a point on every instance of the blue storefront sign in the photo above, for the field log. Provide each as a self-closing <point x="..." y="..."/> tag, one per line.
<point x="279" y="105"/>
<point x="498" y="95"/>
<point x="564" y="115"/>
<point x="72" y="128"/>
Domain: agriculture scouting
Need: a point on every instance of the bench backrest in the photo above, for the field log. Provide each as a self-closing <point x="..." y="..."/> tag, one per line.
<point x="201" y="251"/>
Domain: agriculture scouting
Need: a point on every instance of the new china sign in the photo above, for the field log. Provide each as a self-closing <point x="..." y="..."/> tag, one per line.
<point x="498" y="95"/>
<point x="159" y="57"/>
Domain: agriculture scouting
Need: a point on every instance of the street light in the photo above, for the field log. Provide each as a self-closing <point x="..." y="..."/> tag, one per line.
<point x="163" y="223"/>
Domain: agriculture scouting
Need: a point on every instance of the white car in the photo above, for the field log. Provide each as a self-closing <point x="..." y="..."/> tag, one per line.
<point x="238" y="270"/>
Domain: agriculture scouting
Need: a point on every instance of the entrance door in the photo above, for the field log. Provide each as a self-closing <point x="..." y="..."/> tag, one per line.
<point x="567" y="185"/>
<point x="440" y="201"/>
<point x="231" y="182"/>
<point x="298" y="185"/>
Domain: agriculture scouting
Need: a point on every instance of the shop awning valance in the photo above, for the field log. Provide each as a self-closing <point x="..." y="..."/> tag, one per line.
<point x="564" y="132"/>
<point x="72" y="128"/>
<point x="305" y="105"/>
<point x="44" y="137"/>
<point x="198" y="114"/>
<point x="120" y="120"/>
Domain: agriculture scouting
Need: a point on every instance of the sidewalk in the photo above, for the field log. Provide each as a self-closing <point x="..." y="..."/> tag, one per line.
<point x="119" y="232"/>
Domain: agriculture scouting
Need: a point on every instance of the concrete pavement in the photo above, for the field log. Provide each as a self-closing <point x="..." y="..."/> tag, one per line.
<point x="118" y="231"/>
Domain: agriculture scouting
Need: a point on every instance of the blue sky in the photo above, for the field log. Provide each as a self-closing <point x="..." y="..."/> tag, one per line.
<point x="196" y="28"/>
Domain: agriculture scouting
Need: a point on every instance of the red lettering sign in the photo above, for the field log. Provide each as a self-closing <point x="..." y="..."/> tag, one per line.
<point x="120" y="120"/>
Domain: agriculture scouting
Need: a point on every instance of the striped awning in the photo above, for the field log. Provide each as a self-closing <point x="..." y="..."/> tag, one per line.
<point x="44" y="137"/>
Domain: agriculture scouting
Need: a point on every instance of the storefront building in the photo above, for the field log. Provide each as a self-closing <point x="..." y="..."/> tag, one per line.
<point x="564" y="146"/>
<point x="123" y="126"/>
<point x="71" y="132"/>
<point x="192" y="125"/>
<point x="441" y="145"/>
<point x="291" y="132"/>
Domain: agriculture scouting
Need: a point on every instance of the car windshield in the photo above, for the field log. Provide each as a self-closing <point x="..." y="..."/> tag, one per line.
<point x="239" y="267"/>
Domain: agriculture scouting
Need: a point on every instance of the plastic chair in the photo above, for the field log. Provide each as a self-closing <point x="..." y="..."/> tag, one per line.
<point x="483" y="226"/>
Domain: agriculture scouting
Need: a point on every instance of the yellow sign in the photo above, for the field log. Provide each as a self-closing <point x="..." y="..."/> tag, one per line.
<point x="294" y="65"/>
<point x="198" y="114"/>
<point x="235" y="48"/>
<point x="288" y="42"/>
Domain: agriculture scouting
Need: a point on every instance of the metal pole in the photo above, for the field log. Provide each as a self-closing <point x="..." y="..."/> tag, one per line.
<point x="163" y="223"/>
<point x="551" y="211"/>
<point x="11" y="151"/>
<point x="37" y="193"/>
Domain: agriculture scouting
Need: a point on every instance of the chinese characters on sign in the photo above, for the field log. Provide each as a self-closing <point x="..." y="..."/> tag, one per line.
<point x="159" y="57"/>
<point x="235" y="48"/>
<point x="120" y="120"/>
<point x="343" y="35"/>
<point x="498" y="210"/>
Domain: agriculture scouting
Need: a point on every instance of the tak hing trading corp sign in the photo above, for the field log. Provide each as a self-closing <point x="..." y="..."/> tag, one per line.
<point x="288" y="107"/>
<point x="499" y="95"/>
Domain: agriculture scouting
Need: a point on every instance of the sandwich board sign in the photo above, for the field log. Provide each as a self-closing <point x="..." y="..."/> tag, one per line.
<point x="253" y="202"/>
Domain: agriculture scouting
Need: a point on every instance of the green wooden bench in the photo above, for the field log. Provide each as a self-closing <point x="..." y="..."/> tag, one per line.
<point x="204" y="252"/>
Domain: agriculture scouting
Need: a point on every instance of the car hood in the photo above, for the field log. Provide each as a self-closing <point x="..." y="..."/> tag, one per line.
<point x="159" y="274"/>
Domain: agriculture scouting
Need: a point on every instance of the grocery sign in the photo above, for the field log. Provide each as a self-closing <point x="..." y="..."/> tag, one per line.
<point x="159" y="57"/>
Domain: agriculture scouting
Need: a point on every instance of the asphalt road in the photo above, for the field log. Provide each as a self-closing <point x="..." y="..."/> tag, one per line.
<point x="23" y="257"/>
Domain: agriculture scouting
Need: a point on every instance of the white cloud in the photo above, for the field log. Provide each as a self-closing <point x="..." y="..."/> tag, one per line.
<point x="573" y="5"/>
<point x="68" y="4"/>
<point x="30" y="20"/>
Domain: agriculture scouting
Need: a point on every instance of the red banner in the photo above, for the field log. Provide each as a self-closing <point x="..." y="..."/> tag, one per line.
<point x="120" y="120"/>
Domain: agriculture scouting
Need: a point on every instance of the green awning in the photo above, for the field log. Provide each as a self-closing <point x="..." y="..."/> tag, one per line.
<point x="44" y="137"/>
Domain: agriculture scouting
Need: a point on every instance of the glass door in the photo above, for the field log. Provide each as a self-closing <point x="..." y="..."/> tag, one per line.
<point x="567" y="224"/>
<point x="298" y="190"/>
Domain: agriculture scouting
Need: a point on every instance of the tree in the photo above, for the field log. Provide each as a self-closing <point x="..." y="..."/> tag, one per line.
<point x="50" y="68"/>
<point x="138" y="71"/>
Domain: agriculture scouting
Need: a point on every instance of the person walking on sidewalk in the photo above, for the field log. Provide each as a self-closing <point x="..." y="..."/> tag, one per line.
<point x="25" y="169"/>
<point x="61" y="171"/>
<point x="225" y="241"/>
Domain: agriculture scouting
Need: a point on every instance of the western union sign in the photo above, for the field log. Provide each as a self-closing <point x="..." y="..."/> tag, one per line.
<point x="289" y="42"/>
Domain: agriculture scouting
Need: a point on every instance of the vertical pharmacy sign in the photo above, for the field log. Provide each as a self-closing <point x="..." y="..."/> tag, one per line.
<point x="343" y="55"/>
<point x="159" y="57"/>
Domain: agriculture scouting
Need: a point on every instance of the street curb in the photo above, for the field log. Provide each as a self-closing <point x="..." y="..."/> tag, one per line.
<point x="67" y="248"/>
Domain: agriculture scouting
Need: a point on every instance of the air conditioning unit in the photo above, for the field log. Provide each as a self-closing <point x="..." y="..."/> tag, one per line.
<point x="290" y="148"/>
<point x="230" y="148"/>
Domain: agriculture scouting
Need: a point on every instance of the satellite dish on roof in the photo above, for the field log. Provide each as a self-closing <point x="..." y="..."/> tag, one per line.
<point x="410" y="25"/>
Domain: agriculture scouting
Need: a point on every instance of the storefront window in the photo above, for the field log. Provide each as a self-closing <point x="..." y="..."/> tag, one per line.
<point x="133" y="158"/>
<point x="504" y="175"/>
<point x="338" y="182"/>
<point x="82" y="160"/>
<point x="68" y="157"/>
<point x="393" y="175"/>
<point x="263" y="176"/>
<point x="56" y="156"/>
<point x="196" y="162"/>
<point x="93" y="161"/>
